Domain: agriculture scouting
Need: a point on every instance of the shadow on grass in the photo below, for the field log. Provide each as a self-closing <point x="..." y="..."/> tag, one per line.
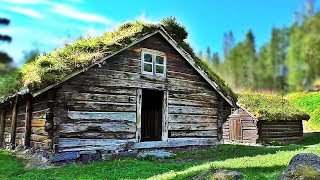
<point x="311" y="139"/>
<point x="260" y="173"/>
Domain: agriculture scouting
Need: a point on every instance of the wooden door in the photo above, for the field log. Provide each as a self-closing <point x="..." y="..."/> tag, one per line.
<point x="235" y="129"/>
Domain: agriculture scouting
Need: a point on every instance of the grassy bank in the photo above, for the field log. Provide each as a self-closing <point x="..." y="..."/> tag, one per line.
<point x="253" y="162"/>
<point x="310" y="103"/>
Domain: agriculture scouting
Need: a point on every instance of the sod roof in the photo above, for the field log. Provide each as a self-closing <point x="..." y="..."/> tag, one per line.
<point x="270" y="107"/>
<point x="52" y="68"/>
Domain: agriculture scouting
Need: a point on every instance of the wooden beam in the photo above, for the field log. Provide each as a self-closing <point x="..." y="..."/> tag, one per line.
<point x="138" y="120"/>
<point x="14" y="123"/>
<point x="165" y="117"/>
<point x="27" y="134"/>
<point x="3" y="125"/>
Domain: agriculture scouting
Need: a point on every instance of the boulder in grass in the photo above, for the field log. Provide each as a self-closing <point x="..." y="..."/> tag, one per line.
<point x="303" y="166"/>
<point x="158" y="154"/>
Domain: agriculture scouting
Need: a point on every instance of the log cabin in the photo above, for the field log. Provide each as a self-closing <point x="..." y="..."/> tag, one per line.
<point x="264" y="119"/>
<point x="131" y="89"/>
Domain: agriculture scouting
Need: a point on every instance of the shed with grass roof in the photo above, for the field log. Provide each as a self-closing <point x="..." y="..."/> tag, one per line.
<point x="134" y="88"/>
<point x="264" y="118"/>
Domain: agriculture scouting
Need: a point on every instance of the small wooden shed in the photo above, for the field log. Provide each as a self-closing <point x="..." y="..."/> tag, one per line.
<point x="139" y="90"/>
<point x="264" y="118"/>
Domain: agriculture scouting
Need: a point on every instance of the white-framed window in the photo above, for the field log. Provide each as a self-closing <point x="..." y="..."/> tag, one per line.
<point x="153" y="62"/>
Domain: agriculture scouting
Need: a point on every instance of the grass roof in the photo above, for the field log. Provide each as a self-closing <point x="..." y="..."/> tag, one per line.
<point x="51" y="68"/>
<point x="270" y="107"/>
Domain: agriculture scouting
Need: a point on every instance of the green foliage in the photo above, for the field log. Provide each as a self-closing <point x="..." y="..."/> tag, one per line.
<point x="175" y="29"/>
<point x="9" y="82"/>
<point x="254" y="162"/>
<point x="270" y="107"/>
<point x="309" y="102"/>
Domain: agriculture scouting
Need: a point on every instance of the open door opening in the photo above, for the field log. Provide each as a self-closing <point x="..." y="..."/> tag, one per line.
<point x="151" y="115"/>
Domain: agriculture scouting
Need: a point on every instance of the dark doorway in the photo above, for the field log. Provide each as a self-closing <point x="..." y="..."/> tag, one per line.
<point x="151" y="115"/>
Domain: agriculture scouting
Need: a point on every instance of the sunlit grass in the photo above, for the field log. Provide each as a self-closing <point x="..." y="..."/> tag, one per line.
<point x="310" y="103"/>
<point x="254" y="162"/>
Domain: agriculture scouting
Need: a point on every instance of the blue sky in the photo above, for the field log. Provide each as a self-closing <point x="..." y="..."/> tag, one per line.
<point x="46" y="25"/>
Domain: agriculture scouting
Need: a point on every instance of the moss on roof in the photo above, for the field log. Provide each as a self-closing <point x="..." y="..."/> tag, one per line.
<point x="270" y="107"/>
<point x="53" y="67"/>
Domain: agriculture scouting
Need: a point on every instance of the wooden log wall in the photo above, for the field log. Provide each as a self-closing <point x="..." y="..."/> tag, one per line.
<point x="249" y="129"/>
<point x="97" y="108"/>
<point x="21" y="122"/>
<point x="39" y="135"/>
<point x="280" y="131"/>
<point x="8" y="121"/>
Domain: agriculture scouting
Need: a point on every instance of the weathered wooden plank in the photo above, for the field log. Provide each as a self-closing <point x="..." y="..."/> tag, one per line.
<point x="192" y="95"/>
<point x="98" y="127"/>
<point x="190" y="118"/>
<point x="2" y="125"/>
<point x="176" y="142"/>
<point x="39" y="138"/>
<point x="65" y="144"/>
<point x="14" y="122"/>
<point x="210" y="133"/>
<point x="39" y="131"/>
<point x="38" y="106"/>
<point x="99" y="135"/>
<point x="40" y="114"/>
<point x="38" y="122"/>
<point x="197" y="126"/>
<point x="165" y="113"/>
<point x="110" y="116"/>
<point x="139" y="108"/>
<point x="39" y="145"/>
<point x="91" y="81"/>
<point x="100" y="106"/>
<point x="28" y="117"/>
<point x="20" y="129"/>
<point x="99" y="97"/>
<point x="192" y="110"/>
<point x="188" y="102"/>
<point x="99" y="89"/>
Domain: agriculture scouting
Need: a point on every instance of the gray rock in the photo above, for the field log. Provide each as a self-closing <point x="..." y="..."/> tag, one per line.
<point x="303" y="166"/>
<point x="158" y="154"/>
<point x="65" y="156"/>
<point x="218" y="175"/>
<point x="106" y="156"/>
<point x="88" y="158"/>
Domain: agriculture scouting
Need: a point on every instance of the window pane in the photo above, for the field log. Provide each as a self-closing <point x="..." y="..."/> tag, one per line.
<point x="147" y="58"/>
<point x="147" y="67"/>
<point x="159" y="60"/>
<point x="159" y="69"/>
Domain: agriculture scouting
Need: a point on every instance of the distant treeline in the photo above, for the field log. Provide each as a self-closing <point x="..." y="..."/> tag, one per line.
<point x="289" y="61"/>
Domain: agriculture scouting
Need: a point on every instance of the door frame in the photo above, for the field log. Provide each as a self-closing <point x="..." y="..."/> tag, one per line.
<point x="164" y="134"/>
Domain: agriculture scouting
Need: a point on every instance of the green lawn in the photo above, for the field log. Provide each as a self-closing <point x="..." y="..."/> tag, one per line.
<point x="310" y="103"/>
<point x="253" y="162"/>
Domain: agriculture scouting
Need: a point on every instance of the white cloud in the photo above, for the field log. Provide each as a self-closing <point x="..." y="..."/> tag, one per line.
<point x="27" y="12"/>
<point x="73" y="13"/>
<point x="144" y="18"/>
<point x="23" y="1"/>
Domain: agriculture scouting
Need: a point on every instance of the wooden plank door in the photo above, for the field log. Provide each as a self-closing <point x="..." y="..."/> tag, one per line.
<point x="235" y="129"/>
